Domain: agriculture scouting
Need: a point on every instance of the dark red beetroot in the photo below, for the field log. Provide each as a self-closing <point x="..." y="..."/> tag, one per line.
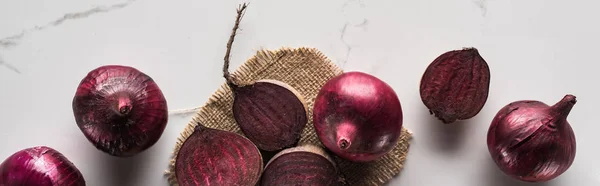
<point x="358" y="117"/>
<point x="121" y="110"/>
<point x="216" y="157"/>
<point x="39" y="166"/>
<point x="302" y="165"/>
<point x="455" y="85"/>
<point x="532" y="141"/>
<point x="269" y="112"/>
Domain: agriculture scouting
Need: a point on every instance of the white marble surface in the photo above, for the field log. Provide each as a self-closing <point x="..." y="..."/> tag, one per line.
<point x="536" y="49"/>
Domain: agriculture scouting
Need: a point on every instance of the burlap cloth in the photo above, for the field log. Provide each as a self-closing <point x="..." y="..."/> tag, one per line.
<point x="306" y="70"/>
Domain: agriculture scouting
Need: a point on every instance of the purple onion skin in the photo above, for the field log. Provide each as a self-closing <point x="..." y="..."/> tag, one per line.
<point x="121" y="110"/>
<point x="358" y="117"/>
<point x="531" y="141"/>
<point x="455" y="85"/>
<point x="39" y="166"/>
<point x="215" y="157"/>
<point x="301" y="166"/>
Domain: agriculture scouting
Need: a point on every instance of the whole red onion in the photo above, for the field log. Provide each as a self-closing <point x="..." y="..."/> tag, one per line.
<point x="39" y="166"/>
<point x="532" y="141"/>
<point x="357" y="116"/>
<point x="120" y="110"/>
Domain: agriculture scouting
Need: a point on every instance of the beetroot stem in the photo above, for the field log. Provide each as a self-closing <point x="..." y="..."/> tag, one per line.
<point x="226" y="74"/>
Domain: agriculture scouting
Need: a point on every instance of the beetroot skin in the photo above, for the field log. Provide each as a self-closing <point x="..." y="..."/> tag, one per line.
<point x="455" y="85"/>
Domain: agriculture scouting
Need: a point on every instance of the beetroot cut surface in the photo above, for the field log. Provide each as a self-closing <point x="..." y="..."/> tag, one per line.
<point x="214" y="157"/>
<point x="305" y="165"/>
<point x="269" y="114"/>
<point x="455" y="85"/>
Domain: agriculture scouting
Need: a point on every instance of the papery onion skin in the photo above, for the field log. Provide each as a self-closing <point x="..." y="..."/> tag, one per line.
<point x="121" y="110"/>
<point x="302" y="165"/>
<point x="532" y="141"/>
<point x="39" y="166"/>
<point x="357" y="116"/>
<point x="216" y="157"/>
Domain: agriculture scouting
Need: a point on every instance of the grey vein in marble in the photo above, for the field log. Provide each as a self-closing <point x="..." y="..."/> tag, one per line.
<point x="363" y="24"/>
<point x="13" y="40"/>
<point x="9" y="66"/>
<point x="360" y="3"/>
<point x="9" y="41"/>
<point x="348" y="47"/>
<point x="482" y="4"/>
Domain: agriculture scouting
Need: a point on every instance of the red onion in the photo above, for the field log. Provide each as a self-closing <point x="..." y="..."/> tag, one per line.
<point x="121" y="110"/>
<point x="302" y="165"/>
<point x="39" y="166"/>
<point x="532" y="141"/>
<point x="216" y="157"/>
<point x="357" y="116"/>
<point x="271" y="113"/>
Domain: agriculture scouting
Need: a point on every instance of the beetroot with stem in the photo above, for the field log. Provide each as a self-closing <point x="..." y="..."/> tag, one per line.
<point x="40" y="166"/>
<point x="532" y="141"/>
<point x="358" y="117"/>
<point x="215" y="157"/>
<point x="301" y="165"/>
<point x="270" y="113"/>
<point x="455" y="85"/>
<point x="121" y="110"/>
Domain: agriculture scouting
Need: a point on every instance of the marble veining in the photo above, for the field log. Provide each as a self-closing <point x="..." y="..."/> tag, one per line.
<point x="9" y="66"/>
<point x="482" y="5"/>
<point x="13" y="40"/>
<point x="362" y="23"/>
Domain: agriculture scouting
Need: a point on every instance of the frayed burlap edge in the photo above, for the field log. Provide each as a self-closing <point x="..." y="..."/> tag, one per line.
<point x="306" y="70"/>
